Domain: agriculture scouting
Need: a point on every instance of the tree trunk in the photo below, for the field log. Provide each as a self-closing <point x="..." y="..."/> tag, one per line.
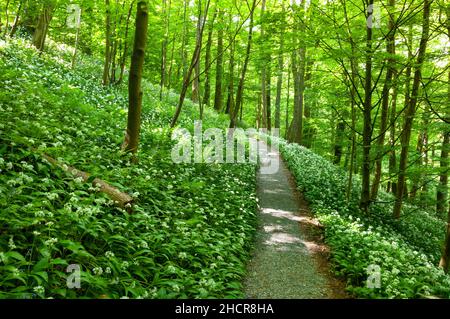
<point x="298" y="73"/>
<point x="40" y="33"/>
<point x="280" y="74"/>
<point x="219" y="66"/>
<point x="286" y="124"/>
<point x="445" y="258"/>
<point x="240" y="91"/>
<point x="131" y="142"/>
<point x="230" y="89"/>
<point x="442" y="189"/>
<point x="16" y="20"/>
<point x="392" y="185"/>
<point x="7" y="18"/>
<point x="308" y="127"/>
<point x="122" y="199"/>
<point x="207" y="93"/>
<point x="411" y="110"/>
<point x="184" y="40"/>
<point x="186" y="82"/>
<point x="339" y="141"/>
<point x="125" y="46"/>
<point x="164" y="48"/>
<point x="107" y="64"/>
<point x="367" y="120"/>
<point x="385" y="102"/>
<point x="199" y="39"/>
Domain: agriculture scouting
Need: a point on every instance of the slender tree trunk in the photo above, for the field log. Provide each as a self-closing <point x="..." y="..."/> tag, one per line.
<point x="286" y="124"/>
<point x="40" y="33"/>
<point x="125" y="46"/>
<point x="199" y="39"/>
<point x="280" y="75"/>
<point x="164" y="44"/>
<point x="131" y="142"/>
<point x="298" y="73"/>
<point x="442" y="194"/>
<point x="339" y="141"/>
<point x="75" y="50"/>
<point x="367" y="120"/>
<point x="264" y="72"/>
<point x="422" y="155"/>
<point x="107" y="64"/>
<point x="442" y="189"/>
<point x="16" y="20"/>
<point x="411" y="110"/>
<point x="240" y="90"/>
<point x="6" y="17"/>
<point x="308" y="128"/>
<point x="445" y="258"/>
<point x="392" y="185"/>
<point x="186" y="82"/>
<point x="219" y="66"/>
<point x="230" y="89"/>
<point x="385" y="102"/>
<point x="169" y="76"/>
<point x="184" y="41"/>
<point x="207" y="92"/>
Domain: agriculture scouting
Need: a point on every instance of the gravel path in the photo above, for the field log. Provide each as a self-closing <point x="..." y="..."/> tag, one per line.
<point x="283" y="265"/>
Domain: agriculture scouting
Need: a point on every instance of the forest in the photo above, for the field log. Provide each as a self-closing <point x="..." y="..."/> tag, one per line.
<point x="349" y="98"/>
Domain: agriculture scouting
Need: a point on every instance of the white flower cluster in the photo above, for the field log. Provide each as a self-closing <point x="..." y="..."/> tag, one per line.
<point x="51" y="241"/>
<point x="39" y="289"/>
<point x="98" y="271"/>
<point x="109" y="254"/>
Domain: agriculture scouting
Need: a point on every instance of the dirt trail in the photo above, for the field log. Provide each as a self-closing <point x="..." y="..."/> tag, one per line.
<point x="290" y="260"/>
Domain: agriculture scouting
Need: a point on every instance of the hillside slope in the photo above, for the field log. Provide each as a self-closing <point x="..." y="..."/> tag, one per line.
<point x="189" y="222"/>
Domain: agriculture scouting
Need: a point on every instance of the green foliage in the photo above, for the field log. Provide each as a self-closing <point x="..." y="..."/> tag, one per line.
<point x="189" y="234"/>
<point x="406" y="250"/>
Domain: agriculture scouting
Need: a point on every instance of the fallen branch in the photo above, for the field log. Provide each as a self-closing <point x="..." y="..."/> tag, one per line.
<point x="121" y="199"/>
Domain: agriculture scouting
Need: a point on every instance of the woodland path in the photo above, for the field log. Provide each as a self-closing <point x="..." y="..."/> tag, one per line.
<point x="289" y="260"/>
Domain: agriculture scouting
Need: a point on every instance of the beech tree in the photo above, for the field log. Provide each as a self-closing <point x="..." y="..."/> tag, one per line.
<point x="131" y="142"/>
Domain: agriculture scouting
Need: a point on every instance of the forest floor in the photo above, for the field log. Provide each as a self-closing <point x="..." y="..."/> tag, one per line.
<point x="290" y="260"/>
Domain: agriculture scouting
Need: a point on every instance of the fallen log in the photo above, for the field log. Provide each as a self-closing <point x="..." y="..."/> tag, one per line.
<point x="121" y="199"/>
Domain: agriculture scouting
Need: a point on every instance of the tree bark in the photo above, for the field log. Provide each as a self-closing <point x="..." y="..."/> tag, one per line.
<point x="230" y="89"/>
<point x="125" y="46"/>
<point x="392" y="185"/>
<point x="390" y="49"/>
<point x="411" y="110"/>
<point x="164" y="48"/>
<point x="280" y="74"/>
<point x="121" y="199"/>
<point x="218" y="98"/>
<point x="339" y="141"/>
<point x="107" y="64"/>
<point x="199" y="40"/>
<point x="298" y="74"/>
<point x="186" y="82"/>
<point x="16" y="20"/>
<point x="40" y="33"/>
<point x="207" y="93"/>
<point x="131" y="142"/>
<point x="367" y="120"/>
<point x="442" y="189"/>
<point x="240" y="90"/>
